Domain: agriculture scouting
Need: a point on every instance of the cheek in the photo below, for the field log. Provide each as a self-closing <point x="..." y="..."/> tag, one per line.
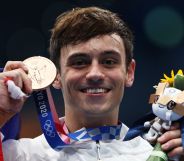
<point x="118" y="77"/>
<point x="70" y="79"/>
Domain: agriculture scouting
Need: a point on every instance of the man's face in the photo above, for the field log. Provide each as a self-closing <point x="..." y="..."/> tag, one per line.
<point x="93" y="75"/>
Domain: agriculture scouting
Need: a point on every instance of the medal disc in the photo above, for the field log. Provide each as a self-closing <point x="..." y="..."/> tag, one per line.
<point x="42" y="71"/>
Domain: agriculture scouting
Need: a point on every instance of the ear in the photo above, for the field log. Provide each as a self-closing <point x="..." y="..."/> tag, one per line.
<point x="57" y="82"/>
<point x="130" y="74"/>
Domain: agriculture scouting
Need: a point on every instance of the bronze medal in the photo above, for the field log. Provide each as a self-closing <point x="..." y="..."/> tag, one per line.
<point x="42" y="71"/>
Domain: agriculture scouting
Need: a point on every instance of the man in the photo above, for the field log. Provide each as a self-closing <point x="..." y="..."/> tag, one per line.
<point x="92" y="49"/>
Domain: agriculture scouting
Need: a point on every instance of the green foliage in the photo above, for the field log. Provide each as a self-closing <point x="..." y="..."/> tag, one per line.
<point x="179" y="82"/>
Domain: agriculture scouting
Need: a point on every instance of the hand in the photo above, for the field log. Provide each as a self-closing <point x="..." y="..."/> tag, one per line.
<point x="171" y="141"/>
<point x="17" y="71"/>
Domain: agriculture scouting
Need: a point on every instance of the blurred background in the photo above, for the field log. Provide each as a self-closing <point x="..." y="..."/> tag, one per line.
<point x="158" y="27"/>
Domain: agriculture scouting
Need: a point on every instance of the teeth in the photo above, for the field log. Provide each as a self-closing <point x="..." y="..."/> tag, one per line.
<point x="96" y="90"/>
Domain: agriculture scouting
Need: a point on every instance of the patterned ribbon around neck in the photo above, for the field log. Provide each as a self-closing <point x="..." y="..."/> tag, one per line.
<point x="57" y="134"/>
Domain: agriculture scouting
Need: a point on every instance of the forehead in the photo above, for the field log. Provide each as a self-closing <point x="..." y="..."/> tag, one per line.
<point x="96" y="46"/>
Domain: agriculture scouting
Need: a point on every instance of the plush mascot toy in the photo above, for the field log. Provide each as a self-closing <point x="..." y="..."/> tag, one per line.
<point x="168" y="106"/>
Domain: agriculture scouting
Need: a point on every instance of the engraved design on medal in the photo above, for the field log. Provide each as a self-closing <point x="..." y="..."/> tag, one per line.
<point x="37" y="73"/>
<point x="42" y="71"/>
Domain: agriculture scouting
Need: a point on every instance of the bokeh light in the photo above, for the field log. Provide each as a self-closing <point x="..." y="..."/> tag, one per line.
<point x="164" y="26"/>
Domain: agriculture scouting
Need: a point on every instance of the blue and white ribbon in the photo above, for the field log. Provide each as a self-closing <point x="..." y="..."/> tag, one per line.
<point x="58" y="141"/>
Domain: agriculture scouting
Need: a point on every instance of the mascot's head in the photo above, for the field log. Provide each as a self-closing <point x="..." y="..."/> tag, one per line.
<point x="168" y="100"/>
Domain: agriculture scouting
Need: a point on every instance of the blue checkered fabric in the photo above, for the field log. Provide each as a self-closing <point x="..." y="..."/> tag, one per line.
<point x="100" y="133"/>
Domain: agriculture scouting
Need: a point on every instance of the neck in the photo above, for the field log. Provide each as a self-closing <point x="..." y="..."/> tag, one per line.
<point x="76" y="120"/>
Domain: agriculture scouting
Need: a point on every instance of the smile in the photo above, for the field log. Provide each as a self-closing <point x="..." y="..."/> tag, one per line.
<point x="95" y="90"/>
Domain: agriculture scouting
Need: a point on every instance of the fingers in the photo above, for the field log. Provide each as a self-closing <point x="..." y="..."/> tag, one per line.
<point x="171" y="141"/>
<point x="26" y="81"/>
<point x="169" y="135"/>
<point x="18" y="72"/>
<point x="171" y="144"/>
<point x="11" y="65"/>
<point x="175" y="152"/>
<point x="21" y="79"/>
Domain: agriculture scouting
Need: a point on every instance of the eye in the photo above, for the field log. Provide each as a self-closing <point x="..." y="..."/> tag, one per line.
<point x="171" y="105"/>
<point x="109" y="62"/>
<point x="80" y="62"/>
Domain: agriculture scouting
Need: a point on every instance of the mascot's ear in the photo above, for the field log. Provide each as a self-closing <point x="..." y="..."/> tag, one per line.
<point x="130" y="74"/>
<point x="57" y="82"/>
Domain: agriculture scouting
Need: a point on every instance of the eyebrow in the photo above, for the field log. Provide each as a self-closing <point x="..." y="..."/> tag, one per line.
<point x="105" y="52"/>
<point x="86" y="55"/>
<point x="111" y="52"/>
<point x="75" y="55"/>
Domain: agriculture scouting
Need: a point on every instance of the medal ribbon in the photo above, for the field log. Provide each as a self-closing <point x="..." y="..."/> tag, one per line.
<point x="57" y="135"/>
<point x="1" y="150"/>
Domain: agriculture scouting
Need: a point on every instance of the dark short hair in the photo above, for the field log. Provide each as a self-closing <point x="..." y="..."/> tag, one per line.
<point x="81" y="24"/>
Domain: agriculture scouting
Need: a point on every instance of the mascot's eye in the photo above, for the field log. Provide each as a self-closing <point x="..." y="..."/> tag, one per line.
<point x="171" y="105"/>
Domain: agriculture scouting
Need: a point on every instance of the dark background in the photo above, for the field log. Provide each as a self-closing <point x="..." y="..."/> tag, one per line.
<point x="158" y="26"/>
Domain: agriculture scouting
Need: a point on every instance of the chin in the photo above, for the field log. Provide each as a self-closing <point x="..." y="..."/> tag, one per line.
<point x="97" y="109"/>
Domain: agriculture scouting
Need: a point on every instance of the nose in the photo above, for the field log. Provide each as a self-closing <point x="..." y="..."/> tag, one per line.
<point x="95" y="73"/>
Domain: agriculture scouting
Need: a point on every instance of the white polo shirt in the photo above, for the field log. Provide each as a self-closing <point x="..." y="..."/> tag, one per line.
<point x="37" y="149"/>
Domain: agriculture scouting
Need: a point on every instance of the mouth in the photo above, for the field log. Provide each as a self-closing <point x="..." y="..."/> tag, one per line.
<point x="95" y="90"/>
